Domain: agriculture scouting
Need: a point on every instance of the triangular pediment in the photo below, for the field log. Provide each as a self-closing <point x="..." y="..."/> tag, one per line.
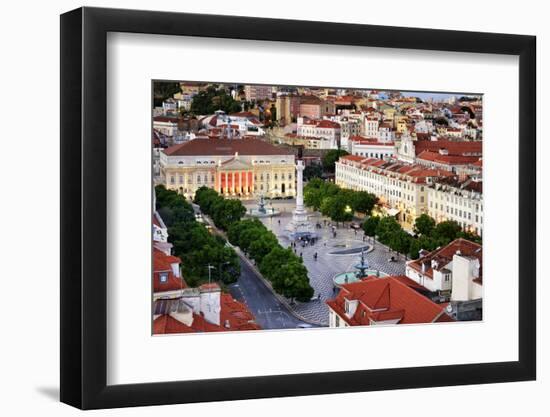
<point x="235" y="164"/>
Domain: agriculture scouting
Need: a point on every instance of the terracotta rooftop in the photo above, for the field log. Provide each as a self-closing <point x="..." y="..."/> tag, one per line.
<point x="452" y="147"/>
<point x="234" y="316"/>
<point x="381" y="299"/>
<point x="224" y="147"/>
<point x="162" y="264"/>
<point x="443" y="256"/>
<point x="432" y="156"/>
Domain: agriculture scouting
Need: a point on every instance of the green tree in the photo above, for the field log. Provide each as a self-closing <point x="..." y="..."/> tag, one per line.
<point x="330" y="158"/>
<point x="400" y="241"/>
<point x="422" y="242"/>
<point x="313" y="171"/>
<point x="370" y="225"/>
<point x="274" y="259"/>
<point x="226" y="212"/>
<point x="472" y="237"/>
<point x="206" y="197"/>
<point x="387" y="227"/>
<point x="363" y="202"/>
<point x="291" y="280"/>
<point x="337" y="209"/>
<point x="163" y="90"/>
<point x="446" y="231"/>
<point x="313" y="198"/>
<point x="424" y="225"/>
<point x="259" y="248"/>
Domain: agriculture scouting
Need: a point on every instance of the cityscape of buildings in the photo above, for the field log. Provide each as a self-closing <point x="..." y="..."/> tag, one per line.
<point x="280" y="207"/>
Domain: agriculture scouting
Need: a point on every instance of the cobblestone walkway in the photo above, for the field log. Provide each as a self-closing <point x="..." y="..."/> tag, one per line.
<point x="322" y="270"/>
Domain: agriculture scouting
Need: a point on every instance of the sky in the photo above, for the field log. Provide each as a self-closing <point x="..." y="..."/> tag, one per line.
<point x="434" y="96"/>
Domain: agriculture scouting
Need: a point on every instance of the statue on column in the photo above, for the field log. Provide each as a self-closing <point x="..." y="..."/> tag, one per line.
<point x="300" y="227"/>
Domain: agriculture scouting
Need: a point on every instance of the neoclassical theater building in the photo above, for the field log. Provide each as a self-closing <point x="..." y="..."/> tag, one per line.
<point x="243" y="168"/>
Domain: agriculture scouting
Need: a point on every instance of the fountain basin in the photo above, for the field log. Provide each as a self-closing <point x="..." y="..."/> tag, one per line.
<point x="266" y="212"/>
<point x="351" y="276"/>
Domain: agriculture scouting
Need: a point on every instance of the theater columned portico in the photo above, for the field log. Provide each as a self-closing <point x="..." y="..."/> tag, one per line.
<point x="235" y="177"/>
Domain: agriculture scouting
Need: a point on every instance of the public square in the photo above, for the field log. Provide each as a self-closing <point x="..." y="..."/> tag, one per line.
<point x="322" y="270"/>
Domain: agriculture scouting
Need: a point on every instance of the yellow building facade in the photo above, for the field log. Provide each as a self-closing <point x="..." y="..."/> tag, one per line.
<point x="242" y="168"/>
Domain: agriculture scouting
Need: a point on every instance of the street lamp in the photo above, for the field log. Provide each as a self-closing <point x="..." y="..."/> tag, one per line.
<point x="210" y="268"/>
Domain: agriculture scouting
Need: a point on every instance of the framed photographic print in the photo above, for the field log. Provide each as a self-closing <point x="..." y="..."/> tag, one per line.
<point x="258" y="208"/>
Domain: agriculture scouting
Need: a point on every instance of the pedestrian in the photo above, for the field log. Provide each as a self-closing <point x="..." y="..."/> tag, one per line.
<point x="301" y="255"/>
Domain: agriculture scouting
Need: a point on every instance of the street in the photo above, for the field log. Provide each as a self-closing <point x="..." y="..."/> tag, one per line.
<point x="270" y="313"/>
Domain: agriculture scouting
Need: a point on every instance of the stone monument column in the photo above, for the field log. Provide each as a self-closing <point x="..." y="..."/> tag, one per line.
<point x="300" y="186"/>
<point x="300" y="226"/>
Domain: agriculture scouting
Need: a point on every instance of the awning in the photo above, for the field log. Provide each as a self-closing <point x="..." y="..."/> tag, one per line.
<point x="392" y="212"/>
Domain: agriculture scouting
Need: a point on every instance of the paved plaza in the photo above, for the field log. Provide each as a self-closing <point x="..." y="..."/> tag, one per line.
<point x="327" y="265"/>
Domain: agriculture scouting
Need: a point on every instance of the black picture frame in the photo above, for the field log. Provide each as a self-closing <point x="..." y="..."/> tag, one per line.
<point x="84" y="207"/>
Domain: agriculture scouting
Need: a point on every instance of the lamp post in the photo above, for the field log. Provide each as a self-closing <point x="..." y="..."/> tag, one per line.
<point x="210" y="268"/>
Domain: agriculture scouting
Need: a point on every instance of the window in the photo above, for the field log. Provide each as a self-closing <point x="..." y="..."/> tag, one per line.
<point x="172" y="180"/>
<point x="163" y="276"/>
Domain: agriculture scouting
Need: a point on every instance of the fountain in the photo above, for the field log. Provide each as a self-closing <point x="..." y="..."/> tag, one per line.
<point x="262" y="210"/>
<point x="362" y="271"/>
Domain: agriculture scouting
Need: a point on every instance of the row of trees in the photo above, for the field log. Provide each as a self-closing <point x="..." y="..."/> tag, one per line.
<point x="335" y="202"/>
<point x="223" y="212"/>
<point x="193" y="244"/>
<point x="428" y="234"/>
<point x="280" y="266"/>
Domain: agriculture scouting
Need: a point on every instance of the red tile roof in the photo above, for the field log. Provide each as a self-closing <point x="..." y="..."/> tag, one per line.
<point x="166" y="324"/>
<point x="417" y="173"/>
<point x="362" y="140"/>
<point x="444" y="256"/>
<point x="223" y="147"/>
<point x="452" y="147"/>
<point x="328" y="124"/>
<point x="162" y="263"/>
<point x="165" y="119"/>
<point x="432" y="156"/>
<point x="381" y="299"/>
<point x="234" y="316"/>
